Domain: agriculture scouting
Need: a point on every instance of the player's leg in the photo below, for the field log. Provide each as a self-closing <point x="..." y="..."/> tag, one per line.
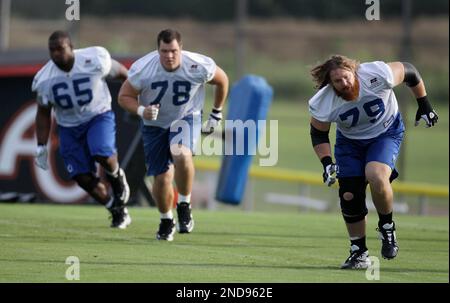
<point x="81" y="167"/>
<point x="382" y="195"/>
<point x="380" y="172"/>
<point x="349" y="156"/>
<point x="159" y="164"/>
<point x="94" y="187"/>
<point x="162" y="192"/>
<point x="101" y="139"/>
<point x="116" y="178"/>
<point x="377" y="175"/>
<point x="352" y="194"/>
<point x="121" y="191"/>
<point x="183" y="138"/>
<point x="184" y="171"/>
<point x="184" y="178"/>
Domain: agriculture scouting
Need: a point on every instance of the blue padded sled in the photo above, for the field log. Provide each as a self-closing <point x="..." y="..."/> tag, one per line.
<point x="249" y="101"/>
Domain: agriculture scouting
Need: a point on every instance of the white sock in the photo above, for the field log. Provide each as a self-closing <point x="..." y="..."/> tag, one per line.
<point x="115" y="173"/>
<point x="186" y="198"/>
<point x="110" y="203"/>
<point x="355" y="238"/>
<point x="167" y="215"/>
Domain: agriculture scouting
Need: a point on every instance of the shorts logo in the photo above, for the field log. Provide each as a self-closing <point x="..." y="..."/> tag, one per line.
<point x="70" y="168"/>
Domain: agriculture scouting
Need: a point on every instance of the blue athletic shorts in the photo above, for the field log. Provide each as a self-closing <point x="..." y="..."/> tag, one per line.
<point x="353" y="155"/>
<point x="79" y="144"/>
<point x="157" y="142"/>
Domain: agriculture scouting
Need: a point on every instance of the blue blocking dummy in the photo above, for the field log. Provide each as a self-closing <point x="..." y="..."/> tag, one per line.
<point x="249" y="102"/>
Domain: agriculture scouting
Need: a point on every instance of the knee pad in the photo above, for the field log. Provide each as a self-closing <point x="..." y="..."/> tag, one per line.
<point x="352" y="194"/>
<point x="87" y="181"/>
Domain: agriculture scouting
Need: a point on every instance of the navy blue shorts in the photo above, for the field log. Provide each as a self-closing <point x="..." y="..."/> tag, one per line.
<point x="353" y="155"/>
<point x="79" y="144"/>
<point x="157" y="142"/>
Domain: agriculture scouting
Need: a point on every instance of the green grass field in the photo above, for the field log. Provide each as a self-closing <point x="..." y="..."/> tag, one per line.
<point x="226" y="246"/>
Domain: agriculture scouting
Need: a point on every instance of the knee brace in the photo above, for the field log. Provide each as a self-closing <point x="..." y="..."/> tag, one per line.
<point x="87" y="181"/>
<point x="352" y="194"/>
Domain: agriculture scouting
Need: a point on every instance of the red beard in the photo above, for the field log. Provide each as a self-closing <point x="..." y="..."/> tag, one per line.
<point x="351" y="94"/>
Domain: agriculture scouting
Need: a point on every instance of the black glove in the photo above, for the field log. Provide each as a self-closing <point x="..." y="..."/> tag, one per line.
<point x="425" y="112"/>
<point x="329" y="169"/>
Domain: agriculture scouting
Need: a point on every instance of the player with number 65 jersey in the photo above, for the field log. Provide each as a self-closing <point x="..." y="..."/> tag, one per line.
<point x="77" y="95"/>
<point x="73" y="84"/>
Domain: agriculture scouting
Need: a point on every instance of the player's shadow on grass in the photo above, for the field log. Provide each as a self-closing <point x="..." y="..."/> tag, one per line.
<point x="308" y="235"/>
<point x="271" y="235"/>
<point x="226" y="265"/>
<point x="177" y="265"/>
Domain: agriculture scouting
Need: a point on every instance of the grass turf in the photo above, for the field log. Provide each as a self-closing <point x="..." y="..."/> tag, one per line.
<point x="226" y="246"/>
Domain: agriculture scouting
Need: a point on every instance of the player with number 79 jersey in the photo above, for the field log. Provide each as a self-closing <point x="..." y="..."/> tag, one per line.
<point x="360" y="99"/>
<point x="368" y="116"/>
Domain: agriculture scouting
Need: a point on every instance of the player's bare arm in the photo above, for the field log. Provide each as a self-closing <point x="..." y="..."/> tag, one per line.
<point x="128" y="100"/>
<point x="220" y="80"/>
<point x="43" y="124"/>
<point x="319" y="137"/>
<point x="405" y="72"/>
<point x="118" y="71"/>
<point x="321" y="144"/>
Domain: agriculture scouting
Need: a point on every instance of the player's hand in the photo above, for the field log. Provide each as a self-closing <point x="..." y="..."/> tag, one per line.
<point x="41" y="156"/>
<point x="329" y="173"/>
<point x="213" y="121"/>
<point x="426" y="112"/>
<point x="151" y="112"/>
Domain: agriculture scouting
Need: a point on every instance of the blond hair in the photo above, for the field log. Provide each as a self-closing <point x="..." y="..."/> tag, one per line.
<point x="321" y="73"/>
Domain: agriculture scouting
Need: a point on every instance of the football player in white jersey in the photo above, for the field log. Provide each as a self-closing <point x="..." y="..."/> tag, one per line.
<point x="360" y="99"/>
<point x="73" y="84"/>
<point x="166" y="88"/>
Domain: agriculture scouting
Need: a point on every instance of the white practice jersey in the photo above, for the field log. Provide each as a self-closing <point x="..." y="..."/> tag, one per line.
<point x="367" y="117"/>
<point x="79" y="95"/>
<point x="179" y="93"/>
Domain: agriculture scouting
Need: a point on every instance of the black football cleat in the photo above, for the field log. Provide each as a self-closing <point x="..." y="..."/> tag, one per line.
<point x="185" y="220"/>
<point x="120" y="188"/>
<point x="389" y="247"/>
<point x="166" y="230"/>
<point x="120" y="217"/>
<point x="358" y="259"/>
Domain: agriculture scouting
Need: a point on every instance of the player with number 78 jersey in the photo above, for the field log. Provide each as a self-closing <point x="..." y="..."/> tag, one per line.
<point x="178" y="93"/>
<point x="166" y="88"/>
